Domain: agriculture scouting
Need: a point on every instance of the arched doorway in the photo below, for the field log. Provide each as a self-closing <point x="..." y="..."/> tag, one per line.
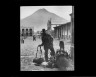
<point x="26" y="32"/>
<point x="22" y="33"/>
<point x="30" y="30"/>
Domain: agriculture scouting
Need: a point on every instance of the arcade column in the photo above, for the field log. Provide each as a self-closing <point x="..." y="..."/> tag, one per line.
<point x="67" y="31"/>
<point x="62" y="32"/>
<point x="57" y="33"/>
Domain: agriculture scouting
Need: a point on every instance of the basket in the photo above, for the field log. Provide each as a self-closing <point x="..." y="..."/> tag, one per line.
<point x="38" y="60"/>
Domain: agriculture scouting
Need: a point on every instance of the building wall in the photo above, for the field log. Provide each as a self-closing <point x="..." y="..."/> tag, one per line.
<point x="26" y="31"/>
<point x="63" y="31"/>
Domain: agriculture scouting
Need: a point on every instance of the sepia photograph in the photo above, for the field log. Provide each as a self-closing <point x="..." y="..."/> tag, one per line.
<point x="47" y="38"/>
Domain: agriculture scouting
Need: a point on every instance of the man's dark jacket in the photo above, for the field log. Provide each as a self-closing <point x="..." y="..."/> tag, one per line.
<point x="47" y="40"/>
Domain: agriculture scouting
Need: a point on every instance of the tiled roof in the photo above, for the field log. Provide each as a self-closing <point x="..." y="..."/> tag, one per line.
<point x="63" y="24"/>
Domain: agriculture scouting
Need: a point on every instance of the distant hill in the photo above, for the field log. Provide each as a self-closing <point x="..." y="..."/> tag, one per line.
<point x="40" y="18"/>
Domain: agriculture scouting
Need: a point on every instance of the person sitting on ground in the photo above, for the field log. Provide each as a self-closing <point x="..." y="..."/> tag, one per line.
<point x="61" y="51"/>
<point x="61" y="57"/>
<point x="61" y="45"/>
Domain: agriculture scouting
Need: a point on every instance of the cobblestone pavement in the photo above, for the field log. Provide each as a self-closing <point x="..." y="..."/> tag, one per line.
<point x="27" y="53"/>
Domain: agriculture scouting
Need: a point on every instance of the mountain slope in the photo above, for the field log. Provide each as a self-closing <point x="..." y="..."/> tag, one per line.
<point x="40" y="18"/>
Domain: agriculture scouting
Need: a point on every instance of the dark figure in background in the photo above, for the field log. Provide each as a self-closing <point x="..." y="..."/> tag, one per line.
<point x="22" y="39"/>
<point x="62" y="51"/>
<point x="47" y="42"/>
<point x="61" y="44"/>
<point x="62" y="57"/>
<point x="34" y="38"/>
<point x="39" y="36"/>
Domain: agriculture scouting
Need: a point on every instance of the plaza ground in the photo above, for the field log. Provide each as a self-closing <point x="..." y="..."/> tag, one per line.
<point x="28" y="50"/>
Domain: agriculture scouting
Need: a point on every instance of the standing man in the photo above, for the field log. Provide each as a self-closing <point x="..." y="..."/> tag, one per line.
<point x="47" y="42"/>
<point x="34" y="38"/>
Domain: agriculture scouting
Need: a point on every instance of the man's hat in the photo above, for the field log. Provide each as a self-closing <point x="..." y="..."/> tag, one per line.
<point x="43" y="30"/>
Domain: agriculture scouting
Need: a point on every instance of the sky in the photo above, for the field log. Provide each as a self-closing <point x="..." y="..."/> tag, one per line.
<point x="62" y="11"/>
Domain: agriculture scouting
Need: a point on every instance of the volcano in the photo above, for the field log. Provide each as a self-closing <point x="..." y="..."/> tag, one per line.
<point x="39" y="19"/>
